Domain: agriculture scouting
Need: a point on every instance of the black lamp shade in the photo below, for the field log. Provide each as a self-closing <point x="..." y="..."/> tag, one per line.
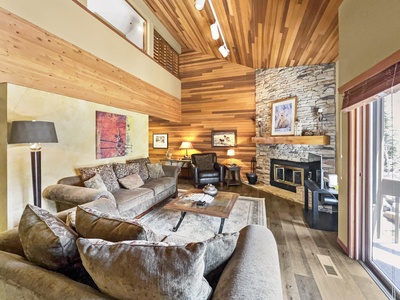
<point x="32" y="132"/>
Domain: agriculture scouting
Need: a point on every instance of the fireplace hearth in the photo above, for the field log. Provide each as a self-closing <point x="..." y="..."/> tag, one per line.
<point x="288" y="175"/>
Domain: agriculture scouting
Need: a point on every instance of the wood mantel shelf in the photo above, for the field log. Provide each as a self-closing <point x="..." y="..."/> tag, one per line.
<point x="300" y="140"/>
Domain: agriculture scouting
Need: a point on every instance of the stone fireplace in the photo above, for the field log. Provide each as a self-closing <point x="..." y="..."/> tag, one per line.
<point x="286" y="165"/>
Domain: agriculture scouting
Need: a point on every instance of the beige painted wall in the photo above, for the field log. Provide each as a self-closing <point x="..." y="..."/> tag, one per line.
<point x="75" y="125"/>
<point x="3" y="157"/>
<point x="70" y="22"/>
<point x="368" y="33"/>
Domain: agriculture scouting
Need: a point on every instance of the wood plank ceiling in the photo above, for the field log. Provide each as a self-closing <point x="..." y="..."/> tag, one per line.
<point x="258" y="33"/>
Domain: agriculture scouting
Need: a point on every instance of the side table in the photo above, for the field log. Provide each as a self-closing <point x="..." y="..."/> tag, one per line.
<point x="233" y="175"/>
<point x="185" y="165"/>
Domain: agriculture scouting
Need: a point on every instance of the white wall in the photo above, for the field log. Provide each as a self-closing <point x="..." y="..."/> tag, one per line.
<point x="70" y="22"/>
<point x="368" y="33"/>
<point x="75" y="122"/>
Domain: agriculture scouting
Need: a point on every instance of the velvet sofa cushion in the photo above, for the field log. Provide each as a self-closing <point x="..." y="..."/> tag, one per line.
<point x="143" y="171"/>
<point x="106" y="173"/>
<point x="47" y="241"/>
<point x="91" y="223"/>
<point x="144" y="270"/>
<point x="122" y="170"/>
<point x="95" y="183"/>
<point x="155" y="170"/>
<point x="131" y="182"/>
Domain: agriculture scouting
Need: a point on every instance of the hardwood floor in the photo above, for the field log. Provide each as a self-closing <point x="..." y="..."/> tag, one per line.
<point x="302" y="274"/>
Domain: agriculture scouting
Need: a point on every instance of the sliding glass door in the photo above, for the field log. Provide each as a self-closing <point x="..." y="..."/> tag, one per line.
<point x="382" y="241"/>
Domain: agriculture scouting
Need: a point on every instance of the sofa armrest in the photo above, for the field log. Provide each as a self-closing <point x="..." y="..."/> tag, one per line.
<point x="10" y="242"/>
<point x="253" y="270"/>
<point x="171" y="171"/>
<point x="74" y="195"/>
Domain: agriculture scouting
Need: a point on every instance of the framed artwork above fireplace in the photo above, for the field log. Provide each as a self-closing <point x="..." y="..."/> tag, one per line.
<point x="283" y="116"/>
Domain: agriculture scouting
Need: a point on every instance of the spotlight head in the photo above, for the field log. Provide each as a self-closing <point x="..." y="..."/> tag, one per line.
<point x="214" y="31"/>
<point x="224" y="51"/>
<point x="199" y="4"/>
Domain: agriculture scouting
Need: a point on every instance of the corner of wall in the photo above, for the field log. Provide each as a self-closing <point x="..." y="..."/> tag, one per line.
<point x="3" y="157"/>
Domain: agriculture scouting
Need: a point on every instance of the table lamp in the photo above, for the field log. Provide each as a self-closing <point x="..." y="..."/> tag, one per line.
<point x="231" y="153"/>
<point x="34" y="133"/>
<point x="186" y="145"/>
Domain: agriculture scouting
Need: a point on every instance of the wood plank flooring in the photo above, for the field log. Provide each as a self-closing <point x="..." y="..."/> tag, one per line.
<point x="301" y="272"/>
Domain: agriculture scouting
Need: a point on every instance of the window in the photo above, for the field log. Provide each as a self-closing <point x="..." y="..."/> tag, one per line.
<point x="123" y="18"/>
<point x="165" y="55"/>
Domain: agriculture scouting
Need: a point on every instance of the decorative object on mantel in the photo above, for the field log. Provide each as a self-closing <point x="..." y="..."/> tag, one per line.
<point x="295" y="140"/>
<point x="298" y="127"/>
<point x="35" y="133"/>
<point x="320" y="117"/>
<point x="308" y="132"/>
<point x="283" y="116"/>
<point x="260" y="127"/>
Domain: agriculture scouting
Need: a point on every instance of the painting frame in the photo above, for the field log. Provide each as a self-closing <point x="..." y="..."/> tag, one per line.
<point x="160" y="140"/>
<point x="224" y="138"/>
<point x="283" y="116"/>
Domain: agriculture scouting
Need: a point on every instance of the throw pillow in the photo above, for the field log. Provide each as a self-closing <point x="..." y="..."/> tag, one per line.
<point x="106" y="173"/>
<point x="91" y="223"/>
<point x="95" y="183"/>
<point x="155" y="170"/>
<point x="124" y="169"/>
<point x="131" y="182"/>
<point x="219" y="249"/>
<point x="143" y="270"/>
<point x="47" y="241"/>
<point x="205" y="162"/>
<point x="143" y="172"/>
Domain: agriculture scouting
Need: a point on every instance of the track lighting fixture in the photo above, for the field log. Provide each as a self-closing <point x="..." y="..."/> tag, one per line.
<point x="199" y="4"/>
<point x="224" y="51"/>
<point x="216" y="30"/>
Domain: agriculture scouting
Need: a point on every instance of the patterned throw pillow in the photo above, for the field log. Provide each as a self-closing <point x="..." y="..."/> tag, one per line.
<point x="47" y="241"/>
<point x="205" y="162"/>
<point x="155" y="170"/>
<point x="91" y="223"/>
<point x="143" y="270"/>
<point x="95" y="183"/>
<point x="124" y="169"/>
<point x="131" y="182"/>
<point x="106" y="173"/>
<point x="143" y="172"/>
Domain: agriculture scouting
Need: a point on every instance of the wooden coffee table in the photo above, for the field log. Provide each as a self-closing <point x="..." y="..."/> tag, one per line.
<point x="220" y="207"/>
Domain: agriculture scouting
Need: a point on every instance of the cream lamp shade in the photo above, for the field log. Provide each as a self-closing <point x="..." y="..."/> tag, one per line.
<point x="231" y="152"/>
<point x="186" y="146"/>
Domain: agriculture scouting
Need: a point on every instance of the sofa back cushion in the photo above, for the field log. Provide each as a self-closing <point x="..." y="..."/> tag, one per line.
<point x="204" y="161"/>
<point x="125" y="169"/>
<point x="47" y="241"/>
<point x="106" y="173"/>
<point x="144" y="270"/>
<point x="95" y="183"/>
<point x="143" y="172"/>
<point x="155" y="170"/>
<point x="131" y="182"/>
<point x="91" y="223"/>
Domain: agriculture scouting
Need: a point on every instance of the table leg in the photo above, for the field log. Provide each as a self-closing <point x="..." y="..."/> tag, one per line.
<point x="221" y="226"/>
<point x="183" y="214"/>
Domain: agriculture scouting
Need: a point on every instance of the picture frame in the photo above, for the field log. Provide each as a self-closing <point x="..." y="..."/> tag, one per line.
<point x="160" y="141"/>
<point x="223" y="138"/>
<point x="283" y="116"/>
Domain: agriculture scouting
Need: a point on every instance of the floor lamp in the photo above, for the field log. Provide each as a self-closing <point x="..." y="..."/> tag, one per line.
<point x="34" y="133"/>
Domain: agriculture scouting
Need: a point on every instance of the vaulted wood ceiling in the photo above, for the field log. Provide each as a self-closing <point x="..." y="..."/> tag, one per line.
<point x="259" y="33"/>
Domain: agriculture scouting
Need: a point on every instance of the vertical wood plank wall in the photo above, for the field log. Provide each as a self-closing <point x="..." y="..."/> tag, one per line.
<point x="218" y="95"/>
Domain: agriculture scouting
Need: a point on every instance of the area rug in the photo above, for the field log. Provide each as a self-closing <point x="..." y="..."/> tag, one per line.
<point x="196" y="228"/>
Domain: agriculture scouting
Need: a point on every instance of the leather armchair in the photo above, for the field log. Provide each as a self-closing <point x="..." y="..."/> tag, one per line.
<point x="206" y="169"/>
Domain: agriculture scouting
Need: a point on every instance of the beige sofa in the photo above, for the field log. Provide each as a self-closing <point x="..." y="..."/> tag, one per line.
<point x="251" y="272"/>
<point x="71" y="191"/>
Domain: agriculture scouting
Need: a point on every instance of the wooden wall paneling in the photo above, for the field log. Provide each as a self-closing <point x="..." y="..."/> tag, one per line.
<point x="32" y="57"/>
<point x="216" y="94"/>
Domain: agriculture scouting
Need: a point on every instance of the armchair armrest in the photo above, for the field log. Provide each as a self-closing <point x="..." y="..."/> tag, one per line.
<point x="75" y="195"/>
<point x="171" y="171"/>
<point x="221" y="169"/>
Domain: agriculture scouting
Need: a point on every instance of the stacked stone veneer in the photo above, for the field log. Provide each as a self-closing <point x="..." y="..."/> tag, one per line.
<point x="314" y="87"/>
